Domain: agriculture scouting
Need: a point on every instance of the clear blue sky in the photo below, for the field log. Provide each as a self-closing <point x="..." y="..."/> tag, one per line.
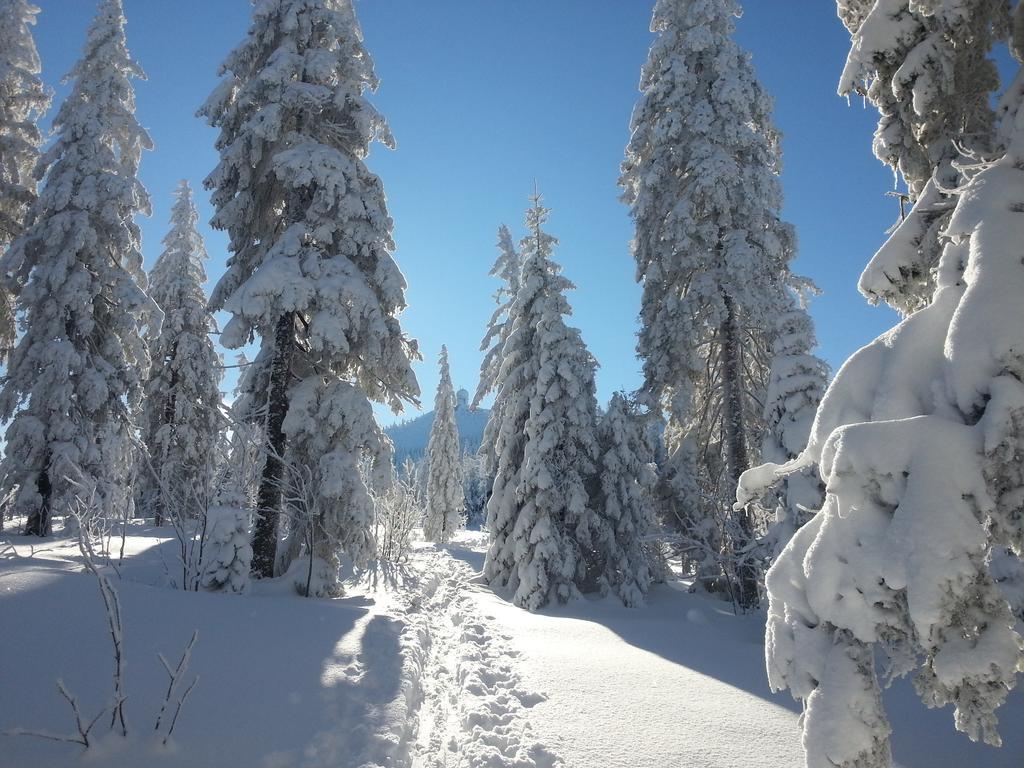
<point x="484" y="97"/>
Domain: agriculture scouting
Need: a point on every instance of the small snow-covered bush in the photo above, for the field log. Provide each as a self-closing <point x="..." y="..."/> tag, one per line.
<point x="398" y="513"/>
<point x="228" y="553"/>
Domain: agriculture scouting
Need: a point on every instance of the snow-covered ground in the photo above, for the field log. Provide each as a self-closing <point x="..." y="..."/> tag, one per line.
<point x="421" y="667"/>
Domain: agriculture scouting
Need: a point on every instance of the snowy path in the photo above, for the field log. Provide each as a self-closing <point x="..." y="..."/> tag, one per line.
<point x="406" y="675"/>
<point x="475" y="709"/>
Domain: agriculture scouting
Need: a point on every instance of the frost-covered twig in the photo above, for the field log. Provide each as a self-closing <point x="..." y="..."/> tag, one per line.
<point x="177" y="709"/>
<point x="44" y="735"/>
<point x="175" y="676"/>
<point x="84" y="515"/>
<point x="83" y="729"/>
<point x="112" y="604"/>
<point x="124" y="522"/>
<point x="398" y="513"/>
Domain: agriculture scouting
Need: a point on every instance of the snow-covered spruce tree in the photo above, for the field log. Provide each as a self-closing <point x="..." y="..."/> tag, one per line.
<point x="543" y="528"/>
<point x="919" y="439"/>
<point x="507" y="268"/>
<point x="78" y="370"/>
<point x="476" y="485"/>
<point x="701" y="177"/>
<point x="626" y="474"/>
<point x="924" y="64"/>
<point x="242" y="466"/>
<point x="227" y="555"/>
<point x="796" y="384"/>
<point x="182" y="423"/>
<point x="445" y="497"/>
<point x="227" y="552"/>
<point x="331" y="431"/>
<point x="23" y="100"/>
<point x="311" y="272"/>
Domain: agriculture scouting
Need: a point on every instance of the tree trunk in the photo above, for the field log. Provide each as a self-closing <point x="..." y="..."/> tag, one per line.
<point x="161" y="503"/>
<point x="736" y="459"/>
<point x="264" y="537"/>
<point x="39" y="522"/>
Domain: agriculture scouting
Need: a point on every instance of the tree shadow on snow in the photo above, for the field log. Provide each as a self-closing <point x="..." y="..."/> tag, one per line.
<point x="382" y="574"/>
<point x="261" y="665"/>
<point x="703" y="634"/>
<point x="691" y="630"/>
<point x="473" y="557"/>
<point x="367" y="710"/>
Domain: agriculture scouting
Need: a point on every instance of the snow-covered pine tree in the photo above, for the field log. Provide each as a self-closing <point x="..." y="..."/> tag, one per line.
<point x="796" y="384"/>
<point x="77" y="373"/>
<point x="701" y="177"/>
<point x="227" y="552"/>
<point x="919" y="440"/>
<point x="23" y="100"/>
<point x="182" y="424"/>
<point x="476" y="486"/>
<point x="311" y="272"/>
<point x="507" y="268"/>
<point x="242" y="466"/>
<point x="543" y="528"/>
<point x="925" y="66"/>
<point x="626" y="475"/>
<point x="445" y="498"/>
<point x="331" y="432"/>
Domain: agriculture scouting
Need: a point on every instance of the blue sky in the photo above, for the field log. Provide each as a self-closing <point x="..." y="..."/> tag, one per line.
<point x="487" y="96"/>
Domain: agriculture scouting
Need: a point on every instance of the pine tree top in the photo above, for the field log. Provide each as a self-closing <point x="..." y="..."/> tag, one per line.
<point x="102" y="100"/>
<point x="310" y="233"/>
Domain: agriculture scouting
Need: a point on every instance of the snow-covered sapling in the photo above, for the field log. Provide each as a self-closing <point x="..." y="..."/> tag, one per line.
<point x="626" y="474"/>
<point x="445" y="498"/>
<point x="182" y="424"/>
<point x="507" y="268"/>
